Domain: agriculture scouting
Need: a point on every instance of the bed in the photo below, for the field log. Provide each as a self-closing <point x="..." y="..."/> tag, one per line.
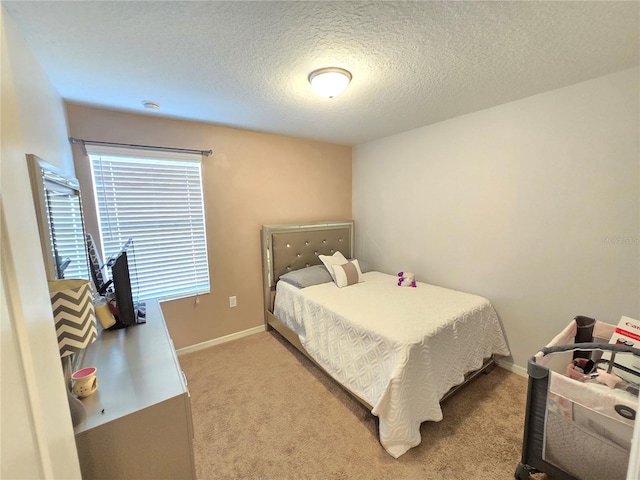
<point x="399" y="351"/>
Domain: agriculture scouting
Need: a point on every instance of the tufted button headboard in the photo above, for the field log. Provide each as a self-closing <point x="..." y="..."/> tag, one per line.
<point x="290" y="247"/>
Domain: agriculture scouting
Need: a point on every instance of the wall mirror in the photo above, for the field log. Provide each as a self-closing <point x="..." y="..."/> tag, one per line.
<point x="60" y="221"/>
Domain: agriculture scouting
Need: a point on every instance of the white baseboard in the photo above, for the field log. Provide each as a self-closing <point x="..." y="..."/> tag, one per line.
<point x="517" y="369"/>
<point x="218" y="341"/>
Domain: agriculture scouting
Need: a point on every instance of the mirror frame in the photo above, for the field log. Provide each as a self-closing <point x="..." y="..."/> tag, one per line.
<point x="44" y="176"/>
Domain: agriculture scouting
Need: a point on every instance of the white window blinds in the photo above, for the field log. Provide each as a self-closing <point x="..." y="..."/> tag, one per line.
<point x="156" y="200"/>
<point x="66" y="232"/>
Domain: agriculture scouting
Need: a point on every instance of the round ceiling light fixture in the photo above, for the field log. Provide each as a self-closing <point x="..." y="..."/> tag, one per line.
<point x="329" y="82"/>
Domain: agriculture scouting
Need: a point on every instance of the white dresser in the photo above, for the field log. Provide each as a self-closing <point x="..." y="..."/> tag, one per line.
<point x="139" y="421"/>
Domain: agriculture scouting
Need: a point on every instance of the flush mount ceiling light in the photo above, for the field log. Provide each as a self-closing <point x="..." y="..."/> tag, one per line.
<point x="329" y="82"/>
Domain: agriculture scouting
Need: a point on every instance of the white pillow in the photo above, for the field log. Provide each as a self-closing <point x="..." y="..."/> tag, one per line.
<point x="347" y="274"/>
<point x="335" y="259"/>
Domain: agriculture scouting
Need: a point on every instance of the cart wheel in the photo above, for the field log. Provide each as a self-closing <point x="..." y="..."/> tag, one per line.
<point x="523" y="472"/>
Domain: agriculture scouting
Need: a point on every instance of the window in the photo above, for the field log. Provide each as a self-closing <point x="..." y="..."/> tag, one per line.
<point x="156" y="200"/>
<point x="67" y="233"/>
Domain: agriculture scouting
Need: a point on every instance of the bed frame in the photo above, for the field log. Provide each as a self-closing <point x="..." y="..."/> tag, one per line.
<point x="286" y="248"/>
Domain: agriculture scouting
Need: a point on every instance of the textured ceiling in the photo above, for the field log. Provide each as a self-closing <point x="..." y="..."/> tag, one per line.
<point x="245" y="64"/>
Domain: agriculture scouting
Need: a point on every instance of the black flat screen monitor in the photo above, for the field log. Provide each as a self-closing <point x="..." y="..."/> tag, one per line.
<point x="127" y="309"/>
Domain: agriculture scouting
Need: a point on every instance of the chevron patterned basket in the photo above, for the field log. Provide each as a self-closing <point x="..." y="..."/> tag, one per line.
<point x="73" y="314"/>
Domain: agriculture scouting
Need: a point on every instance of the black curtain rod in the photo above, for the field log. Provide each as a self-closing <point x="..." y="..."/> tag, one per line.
<point x="206" y="153"/>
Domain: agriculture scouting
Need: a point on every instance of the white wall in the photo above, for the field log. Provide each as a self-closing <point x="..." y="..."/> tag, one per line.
<point x="533" y="204"/>
<point x="36" y="433"/>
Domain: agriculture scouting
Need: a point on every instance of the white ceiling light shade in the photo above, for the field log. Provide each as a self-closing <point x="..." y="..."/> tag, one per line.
<point x="329" y="82"/>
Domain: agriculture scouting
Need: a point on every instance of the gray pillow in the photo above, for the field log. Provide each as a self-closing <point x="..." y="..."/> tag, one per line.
<point x="364" y="266"/>
<point x="306" y="277"/>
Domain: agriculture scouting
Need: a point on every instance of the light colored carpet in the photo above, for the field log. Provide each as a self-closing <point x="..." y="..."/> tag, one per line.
<point x="261" y="410"/>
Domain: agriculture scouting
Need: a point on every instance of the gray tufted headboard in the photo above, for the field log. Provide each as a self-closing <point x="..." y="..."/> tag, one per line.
<point x="290" y="247"/>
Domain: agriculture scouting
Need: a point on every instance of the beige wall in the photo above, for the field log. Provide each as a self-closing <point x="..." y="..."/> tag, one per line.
<point x="36" y="432"/>
<point x="251" y="179"/>
<point x="533" y="204"/>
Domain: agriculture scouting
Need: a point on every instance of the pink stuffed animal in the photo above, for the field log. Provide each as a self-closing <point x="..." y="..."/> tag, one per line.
<point x="406" y="279"/>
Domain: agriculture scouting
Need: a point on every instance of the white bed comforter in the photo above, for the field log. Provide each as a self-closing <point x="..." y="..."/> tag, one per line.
<point x="400" y="349"/>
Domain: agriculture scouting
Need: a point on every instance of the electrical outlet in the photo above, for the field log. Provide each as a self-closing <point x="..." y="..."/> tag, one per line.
<point x="232" y="301"/>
